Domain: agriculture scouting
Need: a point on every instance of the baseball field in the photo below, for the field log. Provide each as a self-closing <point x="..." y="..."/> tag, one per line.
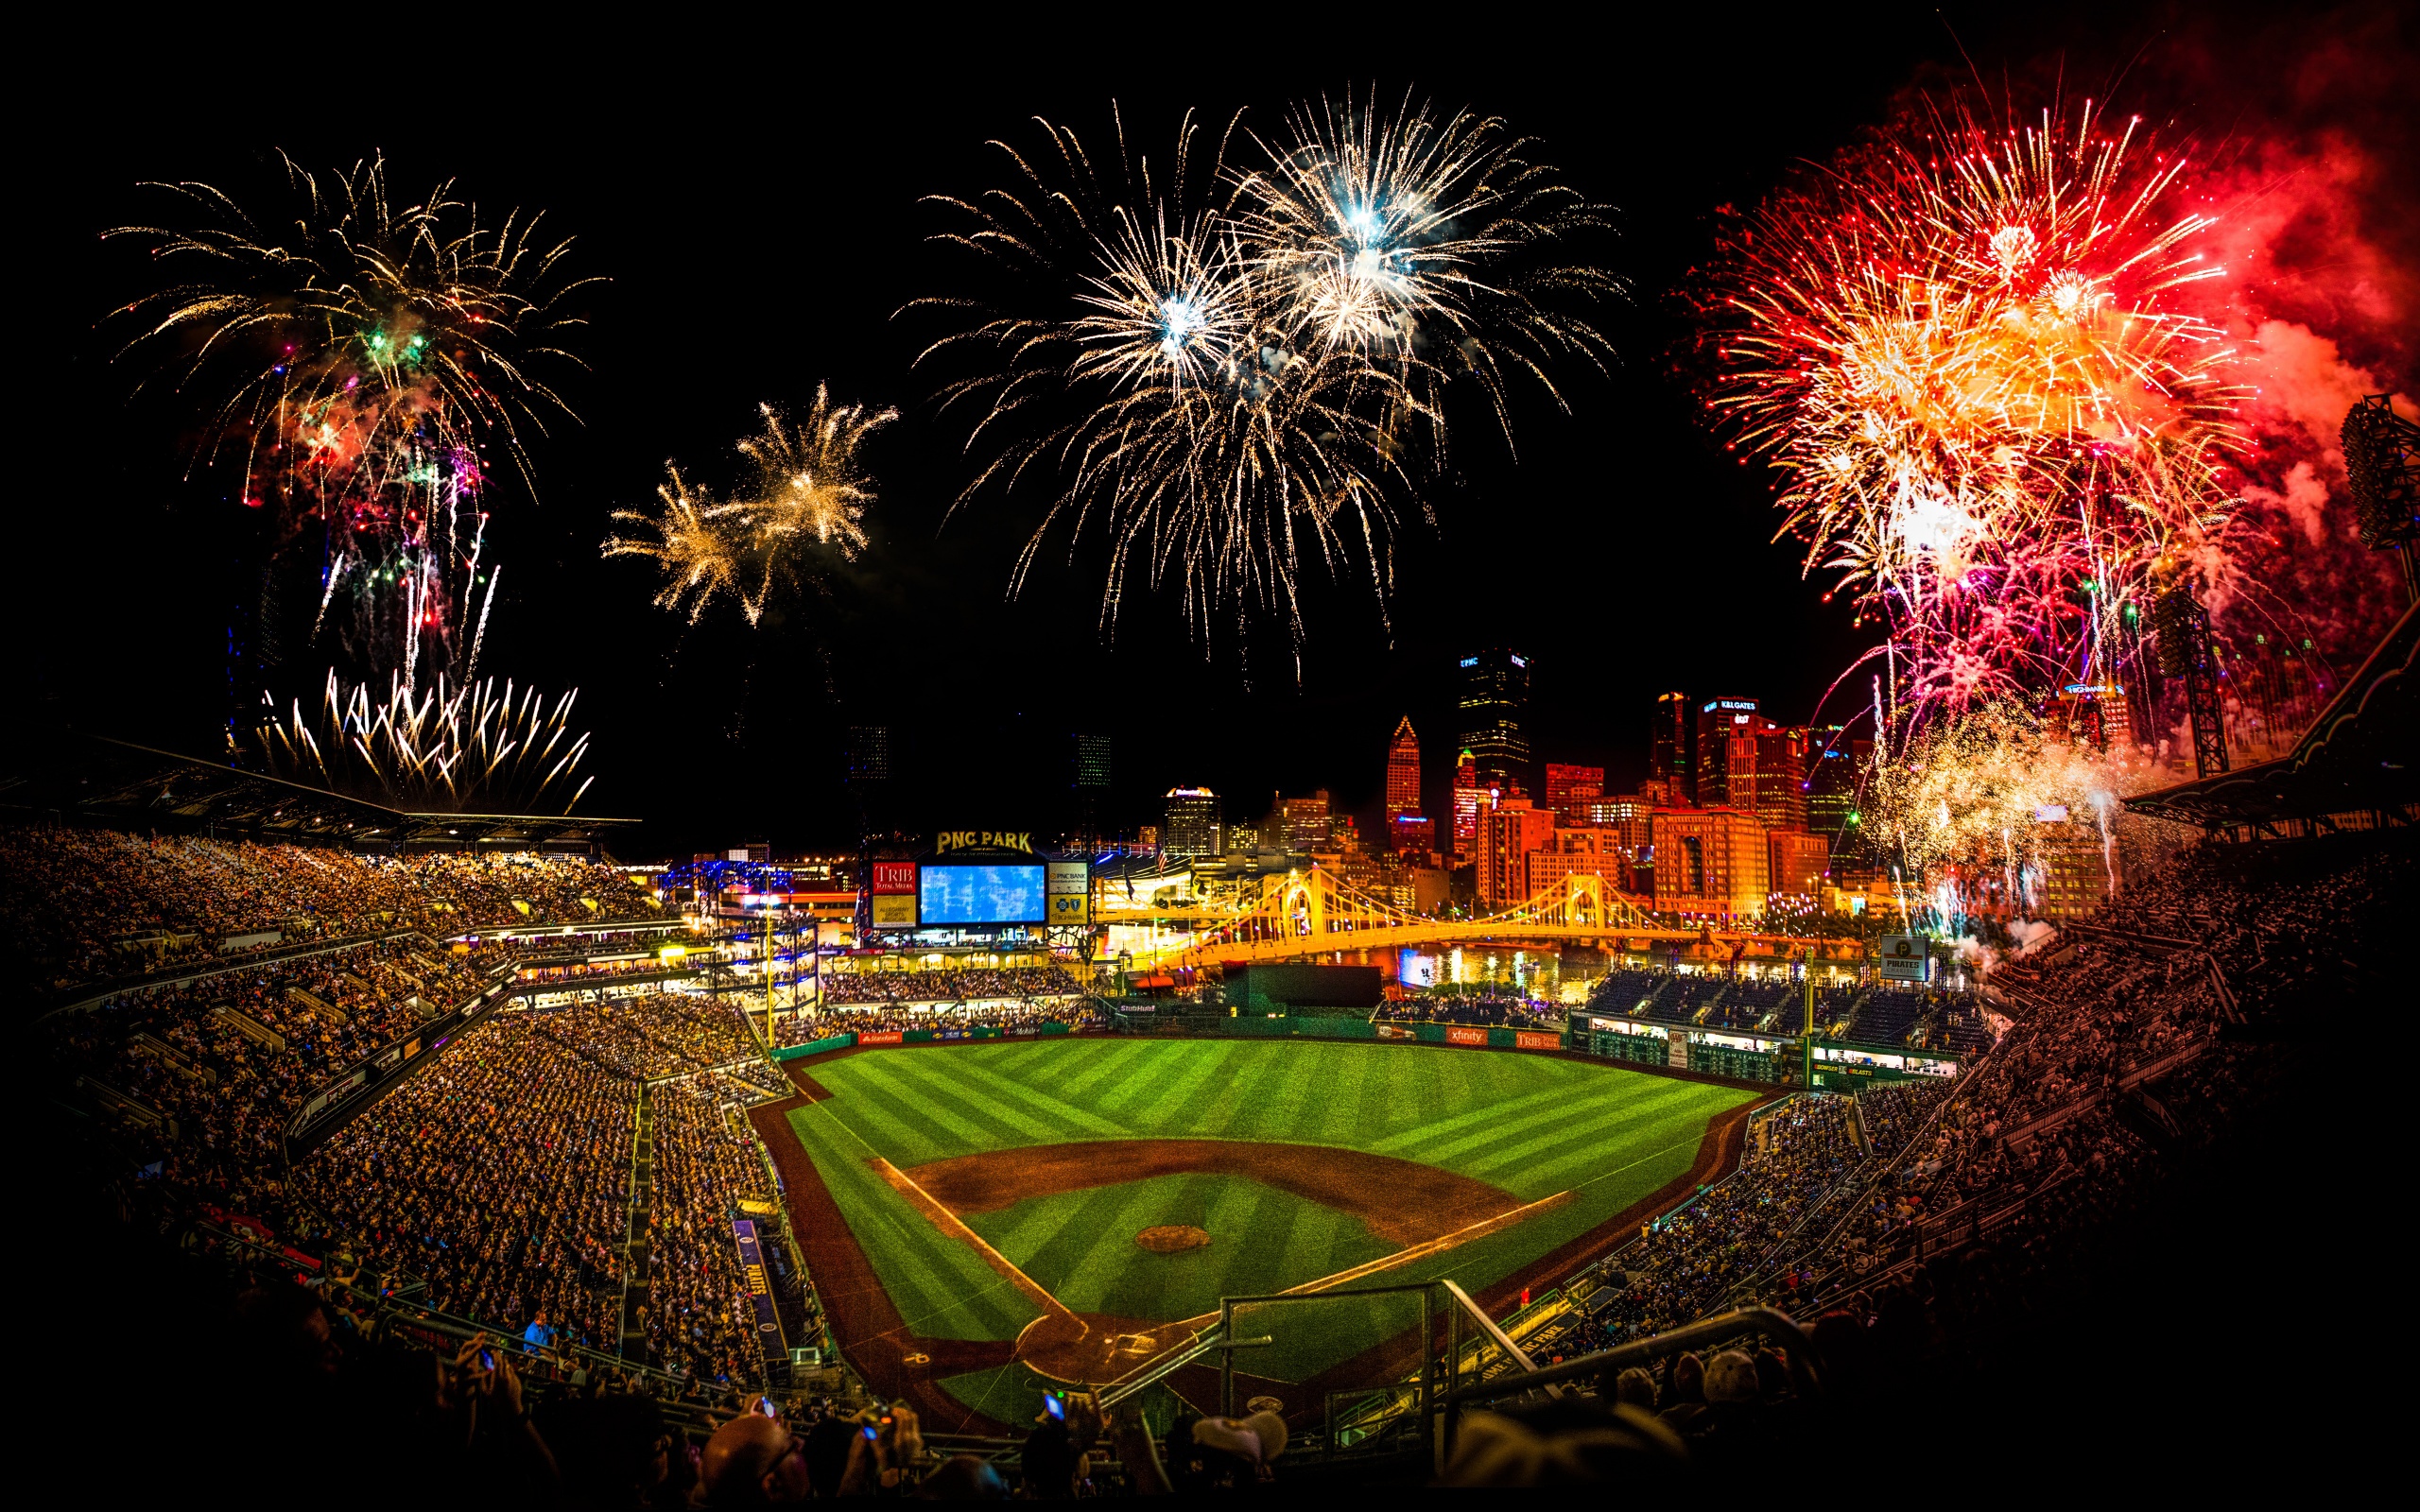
<point x="979" y="1215"/>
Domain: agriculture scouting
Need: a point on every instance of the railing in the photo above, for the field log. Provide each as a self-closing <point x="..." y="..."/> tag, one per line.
<point x="95" y="994"/>
<point x="547" y="1368"/>
<point x="342" y="1096"/>
<point x="1804" y="1362"/>
<point x="1153" y="1371"/>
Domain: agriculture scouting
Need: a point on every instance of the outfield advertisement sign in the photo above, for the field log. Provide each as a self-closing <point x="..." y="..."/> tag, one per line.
<point x="894" y="911"/>
<point x="1462" y="1034"/>
<point x="1535" y="1039"/>
<point x="1397" y="1031"/>
<point x="881" y="1037"/>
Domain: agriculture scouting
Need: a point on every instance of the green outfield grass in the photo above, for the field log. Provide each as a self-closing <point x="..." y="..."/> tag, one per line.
<point x="1532" y="1125"/>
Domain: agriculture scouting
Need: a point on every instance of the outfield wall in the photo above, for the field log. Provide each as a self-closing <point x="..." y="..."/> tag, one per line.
<point x="1212" y="1027"/>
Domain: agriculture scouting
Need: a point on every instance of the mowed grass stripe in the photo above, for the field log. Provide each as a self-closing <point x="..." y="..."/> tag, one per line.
<point x="1240" y="1106"/>
<point x="889" y="1117"/>
<point x="1151" y="1072"/>
<point x="1555" y="1155"/>
<point x="1047" y="1110"/>
<point x="1168" y="1103"/>
<point x="1108" y="1060"/>
<point x="900" y="1105"/>
<point x="1424" y="1135"/>
<point x="985" y="1121"/>
<point x="1584" y="1113"/>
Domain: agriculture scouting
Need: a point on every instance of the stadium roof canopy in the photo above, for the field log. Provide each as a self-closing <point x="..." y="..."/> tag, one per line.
<point x="113" y="781"/>
<point x="2357" y="755"/>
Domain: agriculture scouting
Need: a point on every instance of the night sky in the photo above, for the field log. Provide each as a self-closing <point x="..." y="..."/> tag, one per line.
<point x="753" y="198"/>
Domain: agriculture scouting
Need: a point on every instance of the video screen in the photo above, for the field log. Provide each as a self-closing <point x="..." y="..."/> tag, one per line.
<point x="982" y="895"/>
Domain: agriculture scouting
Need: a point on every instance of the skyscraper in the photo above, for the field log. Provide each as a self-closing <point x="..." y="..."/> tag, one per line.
<point x="1779" y="797"/>
<point x="1494" y="700"/>
<point x="1507" y="835"/>
<point x="869" y="753"/>
<point x="1403" y="771"/>
<point x="1716" y="721"/>
<point x="1309" y="822"/>
<point x="1088" y="782"/>
<point x="1088" y="759"/>
<point x="1468" y="798"/>
<point x="1191" y="831"/>
<point x="1670" y="758"/>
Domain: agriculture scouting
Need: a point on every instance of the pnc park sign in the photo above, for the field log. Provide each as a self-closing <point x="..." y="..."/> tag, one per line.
<point x="949" y="840"/>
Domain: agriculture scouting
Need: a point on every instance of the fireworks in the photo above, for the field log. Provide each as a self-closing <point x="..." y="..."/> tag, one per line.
<point x="1978" y="801"/>
<point x="809" y="487"/>
<point x="1225" y="371"/>
<point x="1976" y="359"/>
<point x="698" y="553"/>
<point x="357" y="362"/>
<point x="472" y="748"/>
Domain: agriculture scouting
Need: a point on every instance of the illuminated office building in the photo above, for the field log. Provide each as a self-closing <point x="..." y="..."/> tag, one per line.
<point x="1508" y="835"/>
<point x="1494" y="701"/>
<point x="1711" y="728"/>
<point x="1571" y="789"/>
<point x="1710" y="861"/>
<point x="1469" y="799"/>
<point x="1671" y="752"/>
<point x="1403" y="771"/>
<point x="1190" y="832"/>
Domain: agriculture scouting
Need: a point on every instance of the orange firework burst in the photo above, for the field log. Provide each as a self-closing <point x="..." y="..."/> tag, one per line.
<point x="1976" y="356"/>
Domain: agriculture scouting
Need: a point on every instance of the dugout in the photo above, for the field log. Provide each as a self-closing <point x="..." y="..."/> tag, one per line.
<point x="1272" y="988"/>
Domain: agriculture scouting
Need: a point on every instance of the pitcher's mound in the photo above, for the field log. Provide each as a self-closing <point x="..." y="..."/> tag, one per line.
<point x="1171" y="1238"/>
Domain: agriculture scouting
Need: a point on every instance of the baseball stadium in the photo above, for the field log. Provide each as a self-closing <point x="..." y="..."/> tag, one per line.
<point x="1611" y="754"/>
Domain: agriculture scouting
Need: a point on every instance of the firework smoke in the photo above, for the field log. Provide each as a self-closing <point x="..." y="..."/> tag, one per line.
<point x="1227" y="371"/>
<point x="474" y="749"/>
<point x="357" y="363"/>
<point x="810" y="488"/>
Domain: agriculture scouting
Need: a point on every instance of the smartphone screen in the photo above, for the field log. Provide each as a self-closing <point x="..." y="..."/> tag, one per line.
<point x="869" y="1431"/>
<point x="1055" y="1407"/>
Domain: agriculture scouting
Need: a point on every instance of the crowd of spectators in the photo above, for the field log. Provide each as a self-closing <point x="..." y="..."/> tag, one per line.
<point x="1687" y="1262"/>
<point x="1479" y="1006"/>
<point x="698" y="1317"/>
<point x="661" y="1033"/>
<point x="499" y="1176"/>
<point x="1718" y="1000"/>
<point x="228" y="1058"/>
<point x="958" y="985"/>
<point x="2117" y="1060"/>
<point x="804" y="1028"/>
<point x="2115" y="1055"/>
<point x="85" y="905"/>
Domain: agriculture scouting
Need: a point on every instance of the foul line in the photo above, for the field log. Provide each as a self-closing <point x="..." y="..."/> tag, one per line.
<point x="1419" y="1251"/>
<point x="950" y="1223"/>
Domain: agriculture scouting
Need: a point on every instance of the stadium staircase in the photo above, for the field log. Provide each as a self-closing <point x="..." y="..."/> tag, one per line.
<point x="635" y="1247"/>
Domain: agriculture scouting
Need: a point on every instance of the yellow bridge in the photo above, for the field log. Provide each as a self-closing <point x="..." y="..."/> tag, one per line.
<point x="1315" y="913"/>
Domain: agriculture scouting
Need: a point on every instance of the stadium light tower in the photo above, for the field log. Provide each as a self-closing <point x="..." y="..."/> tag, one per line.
<point x="2184" y="629"/>
<point x="2382" y="462"/>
